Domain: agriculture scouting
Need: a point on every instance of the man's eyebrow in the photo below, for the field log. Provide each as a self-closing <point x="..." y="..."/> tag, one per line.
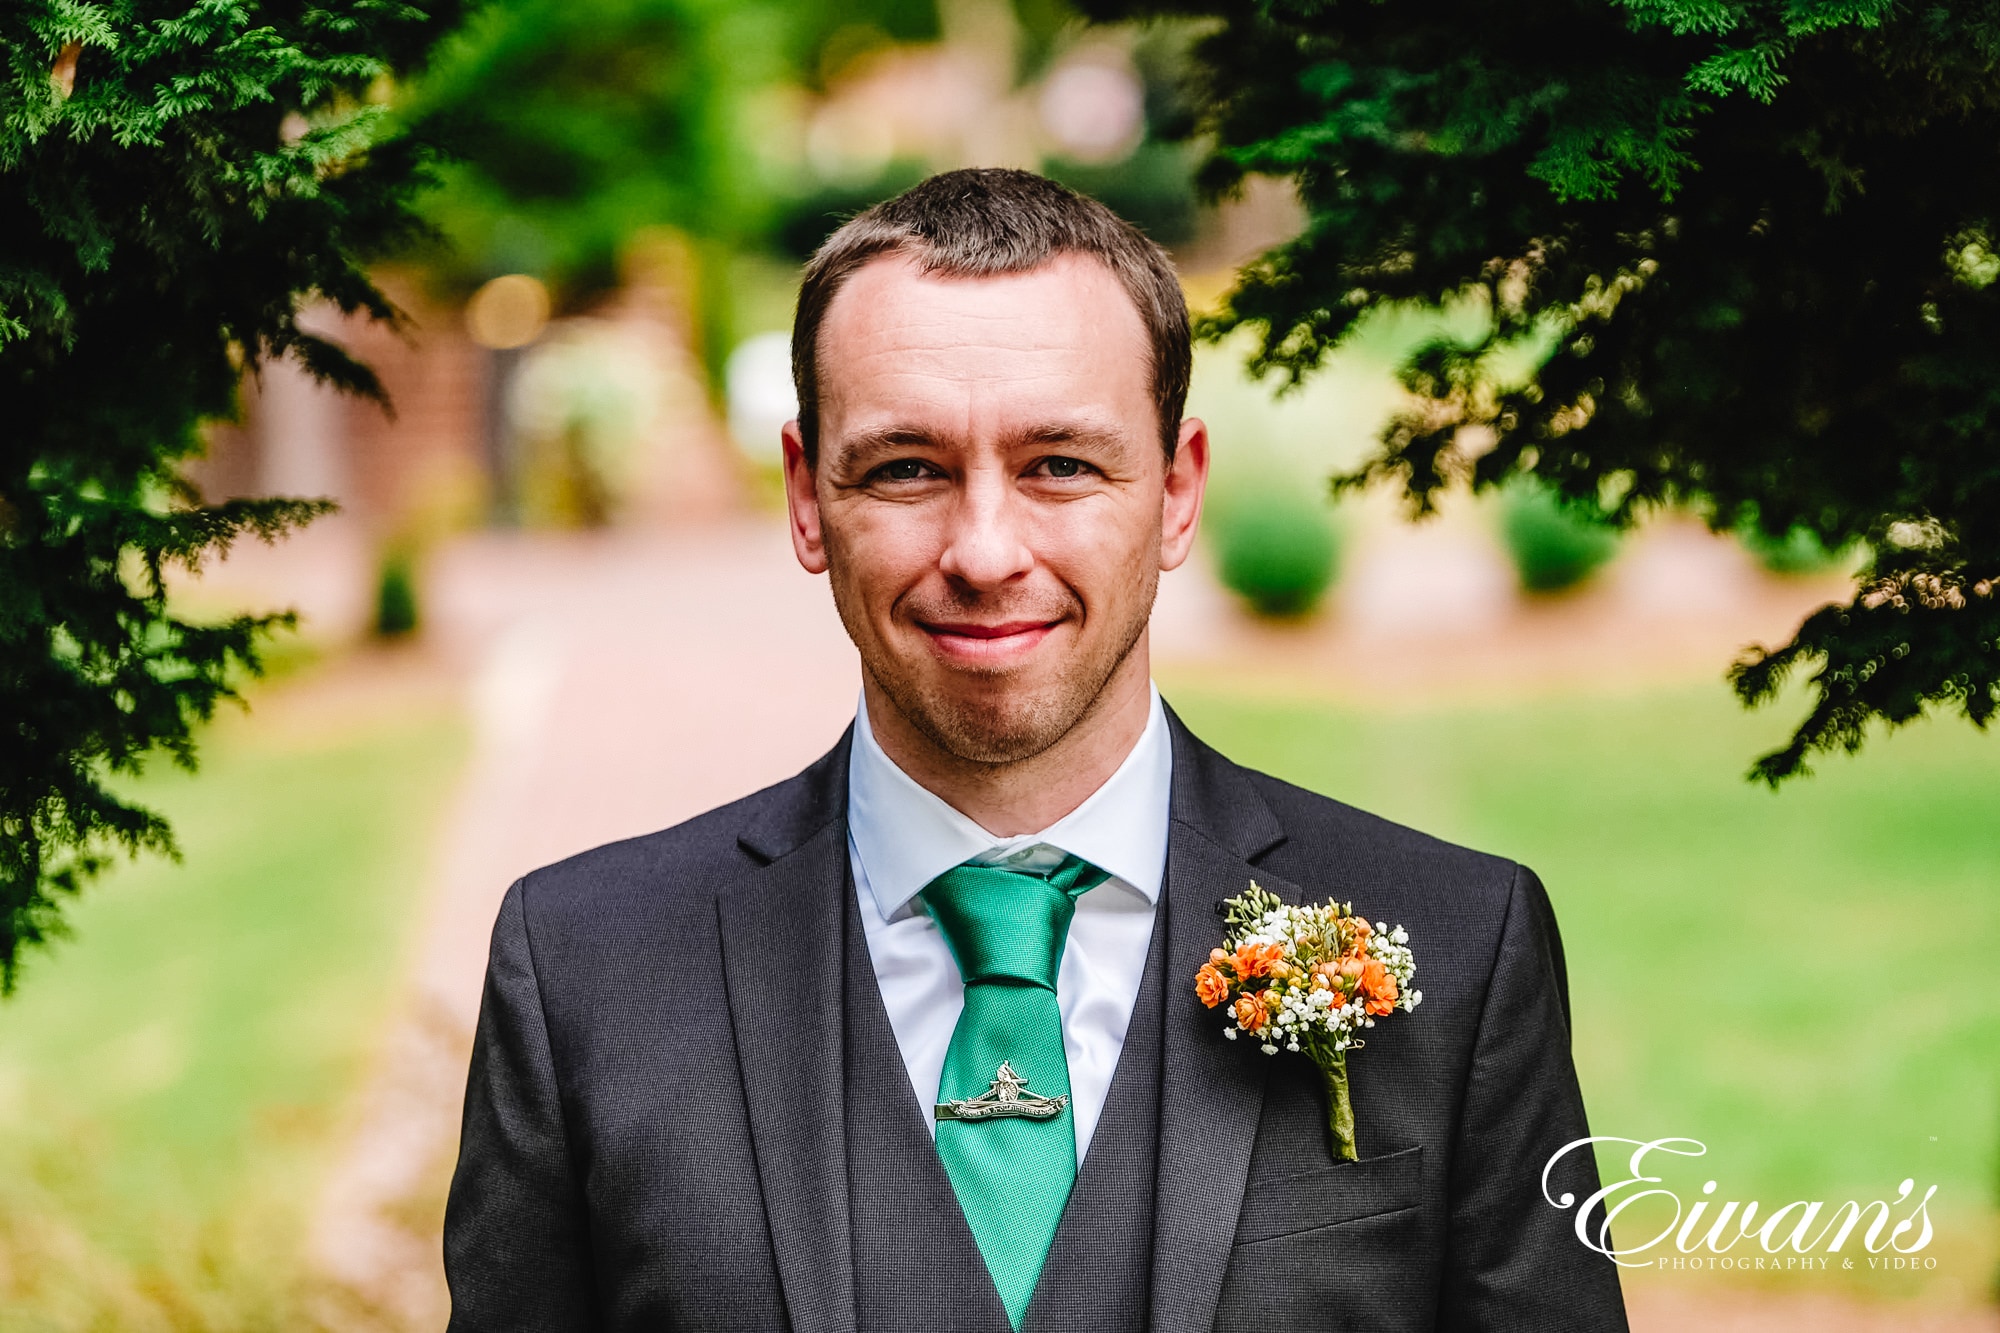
<point x="1067" y="432"/>
<point x="884" y="439"/>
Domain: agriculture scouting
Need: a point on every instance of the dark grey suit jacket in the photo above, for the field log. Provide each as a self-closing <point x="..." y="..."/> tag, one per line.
<point x="654" y="1132"/>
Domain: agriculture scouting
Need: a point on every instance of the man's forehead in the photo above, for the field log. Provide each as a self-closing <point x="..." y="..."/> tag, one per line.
<point x="892" y="297"/>
<point x="1067" y="326"/>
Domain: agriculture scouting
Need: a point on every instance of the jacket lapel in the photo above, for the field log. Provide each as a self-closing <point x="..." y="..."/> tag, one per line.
<point x="781" y="958"/>
<point x="1211" y="1090"/>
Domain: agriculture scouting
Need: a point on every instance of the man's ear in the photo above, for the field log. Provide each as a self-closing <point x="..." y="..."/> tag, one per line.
<point x="802" y="503"/>
<point x="1180" y="505"/>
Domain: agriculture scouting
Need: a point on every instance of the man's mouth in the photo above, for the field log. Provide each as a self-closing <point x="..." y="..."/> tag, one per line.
<point x="978" y="644"/>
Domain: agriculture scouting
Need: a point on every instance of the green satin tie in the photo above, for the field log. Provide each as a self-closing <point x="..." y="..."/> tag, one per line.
<point x="1012" y="1175"/>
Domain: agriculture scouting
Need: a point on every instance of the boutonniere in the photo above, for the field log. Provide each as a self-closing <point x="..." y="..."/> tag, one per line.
<point x="1307" y="980"/>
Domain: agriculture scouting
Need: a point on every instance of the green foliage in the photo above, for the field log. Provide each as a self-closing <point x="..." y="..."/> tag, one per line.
<point x="161" y="219"/>
<point x="1275" y="546"/>
<point x="1797" y="552"/>
<point x="1762" y="237"/>
<point x="1152" y="189"/>
<point x="1554" y="543"/>
<point x="808" y="216"/>
<point x="396" y="596"/>
<point x="574" y="124"/>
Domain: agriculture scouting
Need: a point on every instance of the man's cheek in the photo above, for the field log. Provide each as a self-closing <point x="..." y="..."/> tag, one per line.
<point x="864" y="542"/>
<point x="1096" y="554"/>
<point x="896" y="539"/>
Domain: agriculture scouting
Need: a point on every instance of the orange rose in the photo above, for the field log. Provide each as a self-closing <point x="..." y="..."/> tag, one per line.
<point x="1210" y="986"/>
<point x="1251" y="1013"/>
<point x="1380" y="986"/>
<point x="1257" y="960"/>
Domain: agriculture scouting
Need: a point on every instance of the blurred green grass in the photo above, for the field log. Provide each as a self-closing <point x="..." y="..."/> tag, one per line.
<point x="172" y="1077"/>
<point x="1807" y="981"/>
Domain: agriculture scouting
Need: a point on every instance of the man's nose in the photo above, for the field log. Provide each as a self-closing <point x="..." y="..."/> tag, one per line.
<point x="987" y="545"/>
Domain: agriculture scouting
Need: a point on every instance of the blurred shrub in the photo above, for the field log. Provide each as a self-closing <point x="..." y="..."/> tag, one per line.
<point x="396" y="595"/>
<point x="1153" y="189"/>
<point x="1276" y="546"/>
<point x="573" y="124"/>
<point x="1799" y="551"/>
<point x="809" y="217"/>
<point x="1555" y="544"/>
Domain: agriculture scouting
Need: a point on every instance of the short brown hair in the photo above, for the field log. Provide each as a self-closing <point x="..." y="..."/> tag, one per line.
<point x="986" y="221"/>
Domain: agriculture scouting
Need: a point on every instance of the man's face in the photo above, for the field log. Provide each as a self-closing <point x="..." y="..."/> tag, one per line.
<point x="991" y="498"/>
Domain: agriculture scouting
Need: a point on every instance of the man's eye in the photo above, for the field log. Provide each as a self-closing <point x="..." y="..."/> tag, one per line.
<point x="1063" y="467"/>
<point x="903" y="469"/>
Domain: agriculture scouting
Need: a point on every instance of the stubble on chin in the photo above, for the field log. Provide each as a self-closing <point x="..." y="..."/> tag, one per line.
<point x="997" y="725"/>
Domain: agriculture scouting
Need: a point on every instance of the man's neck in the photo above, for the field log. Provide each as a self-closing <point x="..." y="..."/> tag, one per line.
<point x="1030" y="794"/>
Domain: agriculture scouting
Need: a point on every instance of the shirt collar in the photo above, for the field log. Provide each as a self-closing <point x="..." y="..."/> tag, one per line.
<point x="905" y="836"/>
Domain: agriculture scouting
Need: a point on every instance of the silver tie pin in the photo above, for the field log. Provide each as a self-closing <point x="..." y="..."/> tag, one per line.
<point x="1009" y="1096"/>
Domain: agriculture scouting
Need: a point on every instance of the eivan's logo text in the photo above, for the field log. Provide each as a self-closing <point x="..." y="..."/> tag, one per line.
<point x="1803" y="1228"/>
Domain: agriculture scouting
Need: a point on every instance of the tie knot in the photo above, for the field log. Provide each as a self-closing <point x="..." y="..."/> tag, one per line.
<point x="1008" y="925"/>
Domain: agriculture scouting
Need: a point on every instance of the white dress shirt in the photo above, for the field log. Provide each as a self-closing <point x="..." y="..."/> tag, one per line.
<point x="900" y="837"/>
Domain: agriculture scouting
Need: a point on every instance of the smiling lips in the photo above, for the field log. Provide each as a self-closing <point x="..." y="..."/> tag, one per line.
<point x="987" y="645"/>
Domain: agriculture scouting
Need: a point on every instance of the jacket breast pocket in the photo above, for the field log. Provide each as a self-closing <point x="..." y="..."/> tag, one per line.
<point x="1329" y="1196"/>
<point x="1338" y="1249"/>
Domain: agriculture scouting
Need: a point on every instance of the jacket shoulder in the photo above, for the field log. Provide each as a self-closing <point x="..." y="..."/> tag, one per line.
<point x="1325" y="837"/>
<point x="673" y="868"/>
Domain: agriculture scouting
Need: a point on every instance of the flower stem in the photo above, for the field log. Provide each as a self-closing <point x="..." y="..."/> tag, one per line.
<point x="1339" y="1107"/>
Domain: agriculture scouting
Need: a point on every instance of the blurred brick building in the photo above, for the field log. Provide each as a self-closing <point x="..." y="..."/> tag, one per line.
<point x="457" y="446"/>
<point x="297" y="437"/>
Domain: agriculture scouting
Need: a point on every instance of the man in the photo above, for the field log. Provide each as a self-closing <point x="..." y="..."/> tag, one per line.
<point x="741" y="1074"/>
